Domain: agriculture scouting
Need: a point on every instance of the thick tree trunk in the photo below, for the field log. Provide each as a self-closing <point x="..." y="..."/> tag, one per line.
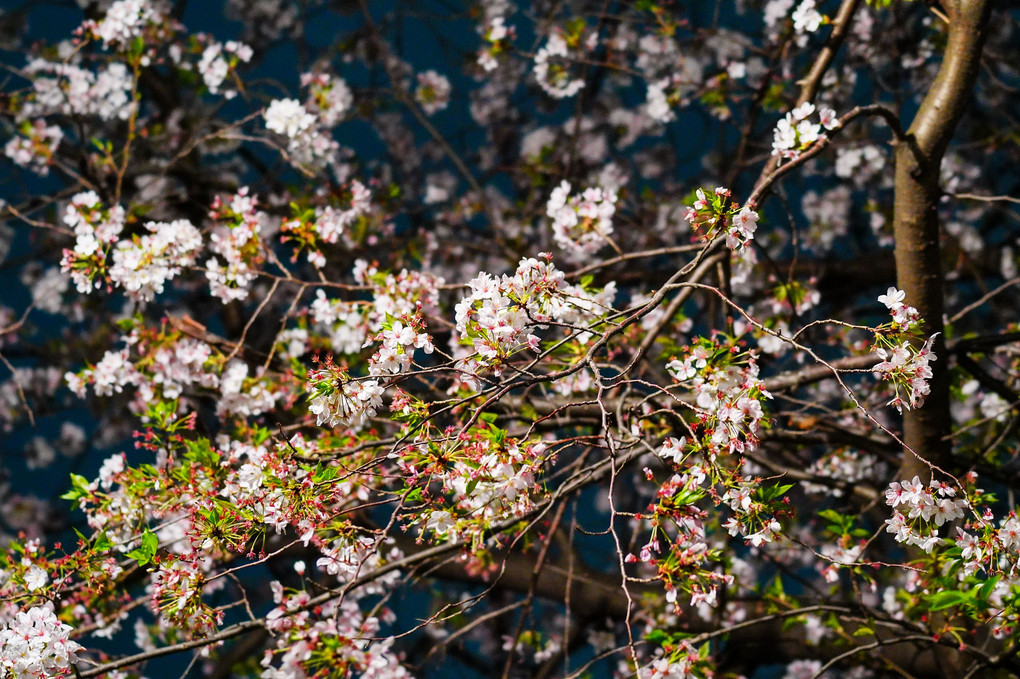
<point x="918" y="261"/>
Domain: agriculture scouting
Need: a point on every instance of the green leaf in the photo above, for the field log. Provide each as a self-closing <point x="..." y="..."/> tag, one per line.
<point x="767" y="493"/>
<point x="137" y="47"/>
<point x="839" y="524"/>
<point x="942" y="600"/>
<point x="657" y="636"/>
<point x="324" y="474"/>
<point x="102" y="543"/>
<point x="986" y="587"/>
<point x="687" y="497"/>
<point x="201" y="453"/>
<point x="79" y="488"/>
<point x="775" y="588"/>
<point x="126" y="324"/>
<point x="262" y="435"/>
<point x="144" y="554"/>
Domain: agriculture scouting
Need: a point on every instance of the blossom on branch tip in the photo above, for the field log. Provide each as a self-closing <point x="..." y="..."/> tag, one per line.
<point x="795" y="133"/>
<point x="433" y="93"/>
<point x="34" y="644"/>
<point x="337" y="400"/>
<point x="288" y="117"/>
<point x="742" y="228"/>
<point x="124" y="21"/>
<point x="717" y="213"/>
<point x="581" y="223"/>
<point x="551" y="71"/>
<point x="892" y="298"/>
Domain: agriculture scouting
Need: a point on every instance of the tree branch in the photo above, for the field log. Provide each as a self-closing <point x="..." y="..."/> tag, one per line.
<point x="915" y="220"/>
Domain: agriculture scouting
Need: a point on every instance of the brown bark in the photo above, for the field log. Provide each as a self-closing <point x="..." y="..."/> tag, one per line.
<point x="915" y="221"/>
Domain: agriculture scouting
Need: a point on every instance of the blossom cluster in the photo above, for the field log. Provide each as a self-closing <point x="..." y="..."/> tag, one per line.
<point x="728" y="395"/>
<point x="307" y="143"/>
<point x="399" y="340"/>
<point x="309" y="229"/>
<point x="846" y="467"/>
<point x="496" y="318"/>
<point x="845" y="552"/>
<point x="502" y="314"/>
<point x="246" y="395"/>
<point x="859" y="164"/>
<point x="331" y="223"/>
<point x="682" y="663"/>
<point x="124" y="21"/>
<point x="500" y="485"/>
<point x="143" y="264"/>
<point x="95" y="229"/>
<point x="288" y="117"/>
<point x="329" y="97"/>
<point x="498" y="37"/>
<point x="399" y="300"/>
<point x="343" y="323"/>
<point x="806" y="18"/>
<point x="657" y="104"/>
<point x="218" y="61"/>
<point x="485" y="477"/>
<point x="168" y="365"/>
<point x="552" y="70"/>
<point x="681" y="555"/>
<point x="35" y="644"/>
<point x="337" y="399"/>
<point x="713" y="210"/>
<point x="795" y="133"/>
<point x="67" y="88"/>
<point x="433" y="93"/>
<point x="904" y="365"/>
<point x="916" y="506"/>
<point x="347" y="556"/>
<point x="904" y="316"/>
<point x="35" y="147"/>
<point x="177" y="587"/>
<point x="671" y="77"/>
<point x="236" y="239"/>
<point x="581" y="223"/>
<point x="341" y="638"/>
<point x="751" y="517"/>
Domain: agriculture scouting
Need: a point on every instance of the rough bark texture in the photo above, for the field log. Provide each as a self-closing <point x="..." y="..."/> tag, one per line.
<point x="918" y="261"/>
